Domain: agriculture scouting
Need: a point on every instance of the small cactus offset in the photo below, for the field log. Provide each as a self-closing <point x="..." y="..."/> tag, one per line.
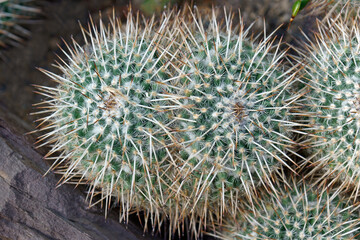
<point x="108" y="117"/>
<point x="302" y="213"/>
<point x="12" y="14"/>
<point x="332" y="104"/>
<point x="234" y="121"/>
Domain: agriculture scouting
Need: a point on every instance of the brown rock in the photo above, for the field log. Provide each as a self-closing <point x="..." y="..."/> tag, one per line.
<point x="31" y="207"/>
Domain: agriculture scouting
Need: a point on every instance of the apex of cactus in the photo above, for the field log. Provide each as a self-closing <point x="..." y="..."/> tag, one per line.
<point x="109" y="116"/>
<point x="234" y="121"/>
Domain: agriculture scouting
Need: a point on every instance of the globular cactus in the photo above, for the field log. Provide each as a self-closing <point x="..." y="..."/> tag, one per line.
<point x="109" y="117"/>
<point x="302" y="213"/>
<point x="234" y="116"/>
<point x="174" y="118"/>
<point x="332" y="104"/>
<point x="12" y="14"/>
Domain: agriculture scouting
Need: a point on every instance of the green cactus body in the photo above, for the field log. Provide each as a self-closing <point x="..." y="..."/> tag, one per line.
<point x="109" y="116"/>
<point x="333" y="103"/>
<point x="13" y="13"/>
<point x="234" y="123"/>
<point x="173" y="119"/>
<point x="300" y="214"/>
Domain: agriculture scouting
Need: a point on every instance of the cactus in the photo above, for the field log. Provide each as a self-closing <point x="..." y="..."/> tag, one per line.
<point x="343" y="8"/>
<point x="336" y="8"/>
<point x="174" y="119"/>
<point x="326" y="9"/>
<point x="302" y="213"/>
<point x="341" y="3"/>
<point x="13" y="13"/>
<point x="332" y="103"/>
<point x="234" y="122"/>
<point x="108" y="116"/>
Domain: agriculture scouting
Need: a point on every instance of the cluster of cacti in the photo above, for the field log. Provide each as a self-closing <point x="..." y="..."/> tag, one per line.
<point x="301" y="213"/>
<point x="159" y="125"/>
<point x="330" y="73"/>
<point x="185" y="118"/>
<point x="13" y="13"/>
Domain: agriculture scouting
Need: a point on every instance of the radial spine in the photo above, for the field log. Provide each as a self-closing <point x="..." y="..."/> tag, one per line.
<point x="108" y="117"/>
<point x="302" y="213"/>
<point x="332" y="103"/>
<point x="235" y="128"/>
<point x="12" y="14"/>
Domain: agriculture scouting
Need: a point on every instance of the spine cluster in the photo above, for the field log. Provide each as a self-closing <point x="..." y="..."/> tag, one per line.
<point x="12" y="14"/>
<point x="333" y="102"/>
<point x="170" y="127"/>
<point x="188" y="117"/>
<point x="234" y="125"/>
<point x="109" y="115"/>
<point x="301" y="213"/>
